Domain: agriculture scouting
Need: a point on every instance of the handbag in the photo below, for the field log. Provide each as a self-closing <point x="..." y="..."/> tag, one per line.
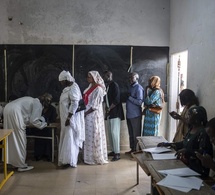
<point x="81" y="105"/>
<point x="156" y="109"/>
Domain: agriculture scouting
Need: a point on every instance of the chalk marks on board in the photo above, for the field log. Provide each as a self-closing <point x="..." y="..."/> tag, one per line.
<point x="34" y="69"/>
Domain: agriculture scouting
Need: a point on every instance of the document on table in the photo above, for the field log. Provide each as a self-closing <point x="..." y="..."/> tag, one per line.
<point x="163" y="156"/>
<point x="157" y="150"/>
<point x="179" y="172"/>
<point x="184" y="184"/>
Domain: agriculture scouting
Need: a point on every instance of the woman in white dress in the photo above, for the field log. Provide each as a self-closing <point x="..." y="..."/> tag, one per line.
<point x="95" y="146"/>
<point x="72" y="132"/>
<point x="17" y="115"/>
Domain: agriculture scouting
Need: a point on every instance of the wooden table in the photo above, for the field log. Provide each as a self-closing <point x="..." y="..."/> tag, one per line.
<point x="4" y="133"/>
<point x="155" y="165"/>
<point x="53" y="127"/>
<point x="144" y="142"/>
<point x="151" y="167"/>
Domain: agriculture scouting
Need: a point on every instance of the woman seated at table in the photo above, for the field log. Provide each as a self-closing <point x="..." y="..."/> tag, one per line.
<point x="43" y="147"/>
<point x="196" y="140"/>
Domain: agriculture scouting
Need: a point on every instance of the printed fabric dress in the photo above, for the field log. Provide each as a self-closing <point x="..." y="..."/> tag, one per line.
<point x="73" y="135"/>
<point x="152" y="120"/>
<point x="95" y="146"/>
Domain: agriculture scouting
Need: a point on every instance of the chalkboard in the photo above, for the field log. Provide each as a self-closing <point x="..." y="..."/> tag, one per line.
<point x="34" y="69"/>
<point x="2" y="87"/>
<point x="151" y="61"/>
<point x="101" y="58"/>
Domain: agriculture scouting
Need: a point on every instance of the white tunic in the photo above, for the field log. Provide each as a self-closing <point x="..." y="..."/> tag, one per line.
<point x="95" y="146"/>
<point x="17" y="114"/>
<point x="72" y="136"/>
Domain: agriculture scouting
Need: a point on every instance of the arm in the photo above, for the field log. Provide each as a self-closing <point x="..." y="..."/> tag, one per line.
<point x="154" y="98"/>
<point x="35" y="116"/>
<point x="206" y="161"/>
<point x="139" y="97"/>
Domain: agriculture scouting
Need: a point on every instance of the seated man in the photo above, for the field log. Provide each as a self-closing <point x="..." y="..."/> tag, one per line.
<point x="43" y="147"/>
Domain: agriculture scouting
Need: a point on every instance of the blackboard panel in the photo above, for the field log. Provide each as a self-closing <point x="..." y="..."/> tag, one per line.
<point x="101" y="58"/>
<point x="151" y="61"/>
<point x="34" y="69"/>
<point x="2" y="87"/>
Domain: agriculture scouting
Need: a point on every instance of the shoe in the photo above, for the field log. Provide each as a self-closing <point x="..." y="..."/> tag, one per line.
<point x="116" y="157"/>
<point x="129" y="152"/>
<point x="28" y="168"/>
<point x="111" y="154"/>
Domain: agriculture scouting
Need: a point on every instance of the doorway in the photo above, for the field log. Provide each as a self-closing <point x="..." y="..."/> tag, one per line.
<point x="177" y="82"/>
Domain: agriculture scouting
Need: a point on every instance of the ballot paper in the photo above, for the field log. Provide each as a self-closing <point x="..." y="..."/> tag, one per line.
<point x="157" y="150"/>
<point x="184" y="184"/>
<point x="165" y="156"/>
<point x="183" y="172"/>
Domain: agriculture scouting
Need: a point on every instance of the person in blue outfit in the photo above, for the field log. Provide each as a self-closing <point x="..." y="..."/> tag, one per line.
<point x="134" y="110"/>
<point x="154" y="97"/>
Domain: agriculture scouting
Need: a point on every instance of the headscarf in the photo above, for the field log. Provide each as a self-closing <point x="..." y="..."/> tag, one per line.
<point x="155" y="82"/>
<point x="97" y="78"/>
<point x="66" y="76"/>
<point x="199" y="113"/>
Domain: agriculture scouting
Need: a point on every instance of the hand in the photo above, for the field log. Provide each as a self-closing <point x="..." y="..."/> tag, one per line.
<point x="164" y="144"/>
<point x="175" y="115"/>
<point x="181" y="154"/>
<point x="206" y="160"/>
<point x="67" y="123"/>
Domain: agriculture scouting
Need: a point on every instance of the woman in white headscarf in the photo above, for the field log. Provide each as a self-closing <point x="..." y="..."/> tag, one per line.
<point x="72" y="123"/>
<point x="95" y="146"/>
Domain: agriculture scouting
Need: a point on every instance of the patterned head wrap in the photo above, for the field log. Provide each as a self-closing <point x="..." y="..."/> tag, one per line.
<point x="97" y="78"/>
<point x="66" y="76"/>
<point x="199" y="114"/>
<point x="155" y="82"/>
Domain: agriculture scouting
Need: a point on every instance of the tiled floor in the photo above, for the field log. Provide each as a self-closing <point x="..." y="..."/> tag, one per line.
<point x="47" y="179"/>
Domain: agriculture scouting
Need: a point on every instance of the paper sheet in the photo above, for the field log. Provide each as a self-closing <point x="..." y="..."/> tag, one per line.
<point x="179" y="172"/>
<point x="163" y="156"/>
<point x="184" y="184"/>
<point x="157" y="150"/>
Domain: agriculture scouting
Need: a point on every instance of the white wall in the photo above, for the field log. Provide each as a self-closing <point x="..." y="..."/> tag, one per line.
<point x="192" y="28"/>
<point x="94" y="22"/>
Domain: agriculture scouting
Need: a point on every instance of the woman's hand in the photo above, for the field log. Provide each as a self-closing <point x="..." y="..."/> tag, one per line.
<point x="164" y="144"/>
<point x="67" y="123"/>
<point x="181" y="154"/>
<point x="175" y="115"/>
<point x="206" y="160"/>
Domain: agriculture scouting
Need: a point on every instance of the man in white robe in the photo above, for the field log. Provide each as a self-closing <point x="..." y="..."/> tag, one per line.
<point x="17" y="115"/>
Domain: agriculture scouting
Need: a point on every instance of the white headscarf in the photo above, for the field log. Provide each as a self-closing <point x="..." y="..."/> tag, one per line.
<point x="97" y="78"/>
<point x="66" y="76"/>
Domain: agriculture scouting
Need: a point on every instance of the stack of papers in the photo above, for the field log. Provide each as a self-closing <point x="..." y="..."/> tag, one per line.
<point x="183" y="172"/>
<point x="157" y="150"/>
<point x="175" y="180"/>
<point x="157" y="153"/>
<point x="164" y="156"/>
<point x="184" y="184"/>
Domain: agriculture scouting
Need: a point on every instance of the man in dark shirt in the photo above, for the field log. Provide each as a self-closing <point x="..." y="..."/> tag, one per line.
<point x="134" y="110"/>
<point x="114" y="114"/>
